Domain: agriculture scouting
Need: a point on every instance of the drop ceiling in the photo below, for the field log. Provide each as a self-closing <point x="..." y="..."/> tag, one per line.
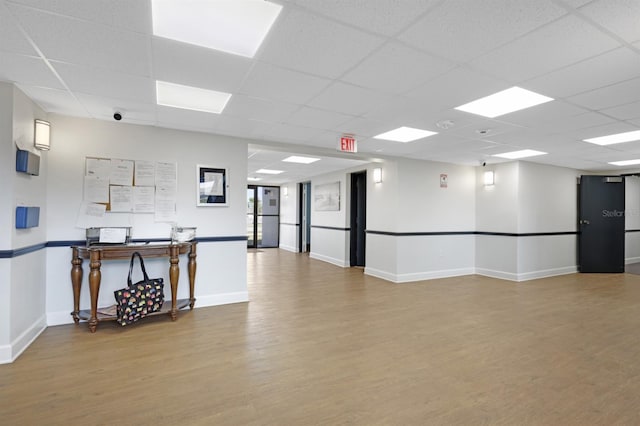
<point x="352" y="66"/>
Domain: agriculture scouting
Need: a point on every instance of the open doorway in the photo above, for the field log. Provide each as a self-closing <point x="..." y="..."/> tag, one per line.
<point x="305" y="217"/>
<point x="358" y="218"/>
<point x="263" y="216"/>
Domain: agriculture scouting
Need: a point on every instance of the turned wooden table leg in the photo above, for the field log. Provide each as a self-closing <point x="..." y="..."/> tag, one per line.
<point x="76" y="283"/>
<point x="94" y="288"/>
<point x="192" y="275"/>
<point x="174" y="275"/>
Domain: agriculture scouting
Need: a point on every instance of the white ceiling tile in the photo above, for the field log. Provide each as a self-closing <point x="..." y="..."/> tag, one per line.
<point x="624" y="112"/>
<point x="556" y="45"/>
<point x="80" y="42"/>
<point x="55" y="101"/>
<point x="581" y="121"/>
<point x="177" y="118"/>
<point x="112" y="84"/>
<point x="28" y="70"/>
<point x="132" y="111"/>
<point x="610" y="96"/>
<point x="621" y="17"/>
<point x="458" y="87"/>
<point x="493" y="127"/>
<point x="462" y="30"/>
<point x="11" y="38"/>
<point x="291" y="134"/>
<point x="348" y="99"/>
<point x="273" y="83"/>
<point x="196" y="66"/>
<point x="249" y="108"/>
<point x="602" y="130"/>
<point x="127" y="14"/>
<point x="318" y="118"/>
<point x="385" y="17"/>
<point x="603" y="70"/>
<point x="535" y="116"/>
<point x="576" y="3"/>
<point x="315" y="45"/>
<point x="396" y="69"/>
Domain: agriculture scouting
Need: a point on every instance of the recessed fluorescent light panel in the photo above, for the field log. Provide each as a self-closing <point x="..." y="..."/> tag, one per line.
<point x="515" y="155"/>
<point x="617" y="138"/>
<point x="301" y="160"/>
<point x="405" y="134"/>
<point x="193" y="98"/>
<point x="269" y="172"/>
<point x="232" y="26"/>
<point x="254" y="179"/>
<point x="501" y="103"/>
<point x="625" y="162"/>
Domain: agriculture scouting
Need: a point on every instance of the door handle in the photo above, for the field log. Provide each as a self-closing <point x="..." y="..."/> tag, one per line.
<point x="584" y="222"/>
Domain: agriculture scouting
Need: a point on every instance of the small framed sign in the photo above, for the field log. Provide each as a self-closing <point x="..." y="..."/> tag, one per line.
<point x="213" y="185"/>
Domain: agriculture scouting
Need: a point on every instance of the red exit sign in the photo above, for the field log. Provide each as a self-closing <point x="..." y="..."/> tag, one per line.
<point x="348" y="144"/>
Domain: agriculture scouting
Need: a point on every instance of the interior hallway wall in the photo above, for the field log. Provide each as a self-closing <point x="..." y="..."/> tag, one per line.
<point x="221" y="270"/>
<point x="23" y="260"/>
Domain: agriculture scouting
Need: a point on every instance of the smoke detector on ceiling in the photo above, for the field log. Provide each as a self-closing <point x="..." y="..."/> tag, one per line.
<point x="445" y="124"/>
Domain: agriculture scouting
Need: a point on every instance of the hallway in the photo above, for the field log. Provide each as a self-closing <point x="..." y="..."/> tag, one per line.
<point x="319" y="344"/>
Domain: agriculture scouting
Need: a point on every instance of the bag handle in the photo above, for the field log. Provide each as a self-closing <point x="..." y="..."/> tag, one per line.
<point x="144" y="271"/>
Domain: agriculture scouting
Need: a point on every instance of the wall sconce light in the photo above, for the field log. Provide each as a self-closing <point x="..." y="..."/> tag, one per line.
<point x="489" y="178"/>
<point x="377" y="175"/>
<point x="42" y="134"/>
<point x="285" y="191"/>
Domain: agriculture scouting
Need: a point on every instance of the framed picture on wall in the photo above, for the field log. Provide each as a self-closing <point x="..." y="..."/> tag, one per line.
<point x="326" y="197"/>
<point x="213" y="186"/>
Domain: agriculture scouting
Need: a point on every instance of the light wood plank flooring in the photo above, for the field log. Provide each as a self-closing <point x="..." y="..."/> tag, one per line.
<point x="322" y="345"/>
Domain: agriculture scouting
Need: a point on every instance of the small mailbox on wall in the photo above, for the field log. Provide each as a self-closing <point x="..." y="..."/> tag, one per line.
<point x="27" y="217"/>
<point x="27" y="162"/>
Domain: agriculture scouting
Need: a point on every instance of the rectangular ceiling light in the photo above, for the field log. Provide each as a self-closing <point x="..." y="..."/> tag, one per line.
<point x="269" y="172"/>
<point x="504" y="102"/>
<point x="301" y="160"/>
<point x="625" y="162"/>
<point x="514" y="155"/>
<point x="232" y="26"/>
<point x="617" y="138"/>
<point x="187" y="97"/>
<point x="254" y="179"/>
<point x="405" y="134"/>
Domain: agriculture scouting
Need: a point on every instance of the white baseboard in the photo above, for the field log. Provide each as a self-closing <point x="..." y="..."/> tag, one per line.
<point x="222" y="299"/>
<point x="9" y="353"/>
<point x="497" y="274"/>
<point x="289" y="248"/>
<point x="59" y="318"/>
<point x="526" y="276"/>
<point x="387" y="276"/>
<point x="630" y="260"/>
<point x="419" y="276"/>
<point x="338" y="262"/>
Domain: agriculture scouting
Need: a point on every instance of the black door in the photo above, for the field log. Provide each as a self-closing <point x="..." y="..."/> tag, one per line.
<point x="601" y="224"/>
<point x="358" y="217"/>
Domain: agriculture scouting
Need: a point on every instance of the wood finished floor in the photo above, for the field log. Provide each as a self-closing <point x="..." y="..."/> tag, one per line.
<point x="322" y="345"/>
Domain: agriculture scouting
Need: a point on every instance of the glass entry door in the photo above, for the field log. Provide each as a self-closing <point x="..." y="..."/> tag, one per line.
<point x="263" y="216"/>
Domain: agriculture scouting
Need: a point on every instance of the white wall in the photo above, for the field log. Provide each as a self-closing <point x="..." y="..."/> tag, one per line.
<point x="527" y="198"/>
<point x="221" y="271"/>
<point x="22" y="300"/>
<point x="329" y="234"/>
<point x="411" y="200"/>
<point x="289" y="218"/>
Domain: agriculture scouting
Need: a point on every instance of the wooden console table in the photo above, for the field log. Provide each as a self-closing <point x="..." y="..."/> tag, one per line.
<point x="96" y="254"/>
